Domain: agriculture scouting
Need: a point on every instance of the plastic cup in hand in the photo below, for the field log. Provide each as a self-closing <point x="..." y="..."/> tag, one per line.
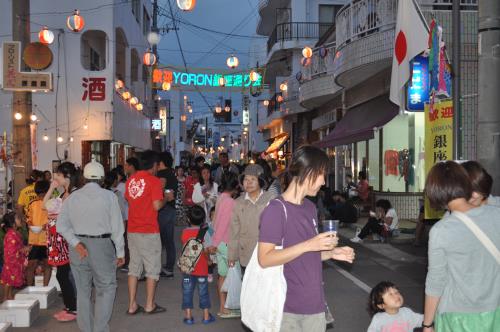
<point x="330" y="226"/>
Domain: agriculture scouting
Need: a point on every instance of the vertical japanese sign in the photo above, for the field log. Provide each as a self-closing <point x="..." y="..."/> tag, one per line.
<point x="418" y="90"/>
<point x="163" y="118"/>
<point x="438" y="141"/>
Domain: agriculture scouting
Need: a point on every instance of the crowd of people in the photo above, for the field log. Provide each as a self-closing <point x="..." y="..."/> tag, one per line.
<point x="89" y="223"/>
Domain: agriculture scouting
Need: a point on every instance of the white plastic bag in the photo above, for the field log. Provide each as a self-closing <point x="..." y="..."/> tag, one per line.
<point x="232" y="285"/>
<point x="263" y="294"/>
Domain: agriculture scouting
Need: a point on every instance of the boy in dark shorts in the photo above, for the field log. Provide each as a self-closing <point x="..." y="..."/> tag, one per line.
<point x="37" y="219"/>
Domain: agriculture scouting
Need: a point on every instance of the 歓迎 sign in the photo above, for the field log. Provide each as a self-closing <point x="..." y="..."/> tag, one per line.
<point x="418" y="89"/>
<point x="16" y="80"/>
<point x="438" y="141"/>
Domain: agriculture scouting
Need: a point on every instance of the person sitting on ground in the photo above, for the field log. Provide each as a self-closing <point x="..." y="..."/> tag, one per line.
<point x="350" y="188"/>
<point x="37" y="238"/>
<point x="363" y="187"/>
<point x="386" y="307"/>
<point x="199" y="276"/>
<point x="383" y="222"/>
<point x="343" y="209"/>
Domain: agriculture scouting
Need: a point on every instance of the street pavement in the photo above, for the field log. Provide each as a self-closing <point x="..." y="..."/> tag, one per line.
<point x="346" y="287"/>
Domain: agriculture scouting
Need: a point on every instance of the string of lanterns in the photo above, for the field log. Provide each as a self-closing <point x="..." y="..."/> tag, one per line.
<point x="127" y="95"/>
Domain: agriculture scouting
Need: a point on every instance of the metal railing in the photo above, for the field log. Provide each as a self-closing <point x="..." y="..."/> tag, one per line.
<point x="320" y="65"/>
<point x="296" y="30"/>
<point x="361" y="18"/>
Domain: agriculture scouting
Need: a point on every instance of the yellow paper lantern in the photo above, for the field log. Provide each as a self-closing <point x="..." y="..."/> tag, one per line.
<point x="134" y="101"/>
<point x="139" y="107"/>
<point x="232" y="62"/>
<point x="165" y="86"/>
<point x="126" y="95"/>
<point x="254" y="76"/>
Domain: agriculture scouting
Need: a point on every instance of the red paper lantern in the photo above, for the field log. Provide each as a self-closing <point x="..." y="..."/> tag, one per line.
<point x="75" y="22"/>
<point x="149" y="58"/>
<point x="46" y="36"/>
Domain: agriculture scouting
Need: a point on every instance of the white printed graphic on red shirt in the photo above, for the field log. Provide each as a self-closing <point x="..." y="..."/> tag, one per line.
<point x="136" y="188"/>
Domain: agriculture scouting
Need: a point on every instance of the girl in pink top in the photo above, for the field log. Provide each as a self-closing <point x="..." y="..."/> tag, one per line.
<point x="223" y="213"/>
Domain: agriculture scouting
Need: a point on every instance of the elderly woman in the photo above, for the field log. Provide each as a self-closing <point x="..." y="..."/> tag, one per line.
<point x="246" y="215"/>
<point x="462" y="290"/>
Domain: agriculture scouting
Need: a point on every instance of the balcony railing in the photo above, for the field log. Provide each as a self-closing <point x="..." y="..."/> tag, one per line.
<point x="359" y="19"/>
<point x="320" y="65"/>
<point x="296" y="30"/>
<point x="364" y="17"/>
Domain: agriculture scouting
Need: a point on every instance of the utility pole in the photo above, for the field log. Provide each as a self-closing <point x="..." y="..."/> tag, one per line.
<point x="21" y="102"/>
<point x="457" y="107"/>
<point x="488" y="130"/>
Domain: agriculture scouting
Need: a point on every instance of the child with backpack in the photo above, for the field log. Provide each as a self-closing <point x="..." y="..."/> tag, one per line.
<point x="193" y="262"/>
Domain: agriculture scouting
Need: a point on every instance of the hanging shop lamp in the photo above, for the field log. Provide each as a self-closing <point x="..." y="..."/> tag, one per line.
<point x="149" y="58"/>
<point x="307" y="52"/>
<point x="134" y="101"/>
<point x="227" y="109"/>
<point x="45" y="36"/>
<point x="126" y="95"/>
<point x="165" y="86"/>
<point x="254" y="76"/>
<point x="218" y="109"/>
<point x="119" y="84"/>
<point x="186" y="5"/>
<point x="75" y="22"/>
<point x="232" y="62"/>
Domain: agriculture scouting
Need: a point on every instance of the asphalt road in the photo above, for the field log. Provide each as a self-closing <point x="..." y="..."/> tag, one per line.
<point x="346" y="288"/>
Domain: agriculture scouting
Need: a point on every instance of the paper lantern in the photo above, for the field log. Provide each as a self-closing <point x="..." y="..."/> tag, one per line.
<point x="222" y="81"/>
<point x="139" y="107"/>
<point x="254" y="76"/>
<point x="166" y="86"/>
<point x="46" y="36"/>
<point x="18" y="116"/>
<point x="33" y="117"/>
<point x="75" y="22"/>
<point x="45" y="137"/>
<point x="307" y="52"/>
<point x="60" y="139"/>
<point x="149" y="58"/>
<point x="284" y="86"/>
<point x="232" y="62"/>
<point x="266" y="102"/>
<point x="186" y="5"/>
<point x="218" y="109"/>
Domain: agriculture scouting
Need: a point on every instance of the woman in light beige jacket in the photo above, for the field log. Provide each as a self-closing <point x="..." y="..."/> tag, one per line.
<point x="244" y="229"/>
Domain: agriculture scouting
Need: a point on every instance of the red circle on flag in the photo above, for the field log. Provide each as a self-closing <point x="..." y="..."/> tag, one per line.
<point x="400" y="47"/>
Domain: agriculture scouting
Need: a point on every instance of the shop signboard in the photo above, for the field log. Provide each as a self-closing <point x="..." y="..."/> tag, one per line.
<point x="156" y="124"/>
<point x="438" y="141"/>
<point x="163" y="119"/>
<point x="418" y="89"/>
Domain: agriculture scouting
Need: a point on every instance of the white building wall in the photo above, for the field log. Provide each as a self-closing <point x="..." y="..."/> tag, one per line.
<point x="62" y="111"/>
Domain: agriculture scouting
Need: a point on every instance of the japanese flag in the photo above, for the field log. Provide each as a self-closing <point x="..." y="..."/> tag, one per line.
<point x="411" y="39"/>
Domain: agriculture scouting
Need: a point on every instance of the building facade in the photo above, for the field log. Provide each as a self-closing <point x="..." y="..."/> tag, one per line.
<point x="100" y="105"/>
<point x="346" y="88"/>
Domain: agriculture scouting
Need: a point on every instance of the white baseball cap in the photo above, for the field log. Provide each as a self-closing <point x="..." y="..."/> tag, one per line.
<point x="93" y="171"/>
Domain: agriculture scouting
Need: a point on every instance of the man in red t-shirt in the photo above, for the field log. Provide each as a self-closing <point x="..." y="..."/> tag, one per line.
<point x="144" y="193"/>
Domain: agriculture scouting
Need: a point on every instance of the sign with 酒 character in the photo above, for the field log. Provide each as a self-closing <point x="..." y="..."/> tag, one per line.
<point x="16" y="80"/>
<point x="438" y="141"/>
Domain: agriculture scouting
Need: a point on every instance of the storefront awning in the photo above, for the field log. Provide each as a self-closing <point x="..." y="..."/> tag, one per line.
<point x="278" y="142"/>
<point x="359" y="122"/>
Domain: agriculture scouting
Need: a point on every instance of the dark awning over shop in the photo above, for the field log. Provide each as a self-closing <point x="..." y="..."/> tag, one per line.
<point x="359" y="122"/>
